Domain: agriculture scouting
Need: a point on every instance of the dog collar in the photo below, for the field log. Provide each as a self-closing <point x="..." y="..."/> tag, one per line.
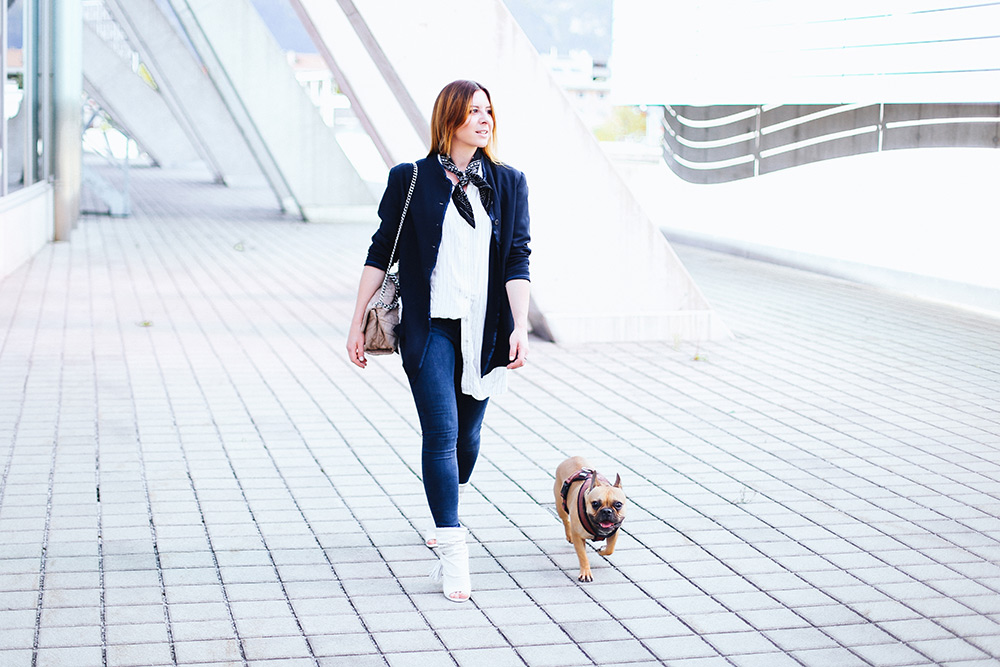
<point x="583" y="475"/>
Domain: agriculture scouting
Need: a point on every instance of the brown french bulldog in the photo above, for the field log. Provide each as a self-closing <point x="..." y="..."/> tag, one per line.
<point x="591" y="508"/>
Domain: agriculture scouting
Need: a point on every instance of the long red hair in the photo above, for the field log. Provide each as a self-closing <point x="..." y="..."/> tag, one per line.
<point x="451" y="110"/>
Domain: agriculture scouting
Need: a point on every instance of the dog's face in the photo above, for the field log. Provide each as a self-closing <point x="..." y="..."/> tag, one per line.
<point x="606" y="506"/>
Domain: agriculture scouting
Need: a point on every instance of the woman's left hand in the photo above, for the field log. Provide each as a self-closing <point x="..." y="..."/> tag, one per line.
<point x="518" y="347"/>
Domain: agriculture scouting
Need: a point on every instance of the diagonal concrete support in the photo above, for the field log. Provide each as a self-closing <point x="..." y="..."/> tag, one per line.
<point x="187" y="91"/>
<point x="139" y="109"/>
<point x="601" y="270"/>
<point x="281" y="123"/>
<point x="379" y="99"/>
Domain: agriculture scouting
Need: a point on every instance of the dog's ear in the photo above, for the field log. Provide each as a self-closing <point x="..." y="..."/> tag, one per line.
<point x="618" y="481"/>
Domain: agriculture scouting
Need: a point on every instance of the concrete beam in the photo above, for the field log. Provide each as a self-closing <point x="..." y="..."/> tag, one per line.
<point x="188" y="92"/>
<point x="601" y="270"/>
<point x="140" y="110"/>
<point x="378" y="98"/>
<point x="254" y="77"/>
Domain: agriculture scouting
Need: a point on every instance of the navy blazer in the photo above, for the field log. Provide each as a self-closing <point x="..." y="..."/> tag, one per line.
<point x="418" y="248"/>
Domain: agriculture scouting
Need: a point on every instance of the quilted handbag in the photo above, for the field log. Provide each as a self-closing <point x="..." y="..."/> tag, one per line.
<point x="382" y="314"/>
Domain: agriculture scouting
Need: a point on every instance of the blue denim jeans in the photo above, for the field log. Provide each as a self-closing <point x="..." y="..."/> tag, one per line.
<point x="449" y="420"/>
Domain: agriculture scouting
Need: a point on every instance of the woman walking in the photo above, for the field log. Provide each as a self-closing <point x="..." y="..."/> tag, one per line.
<point x="463" y="269"/>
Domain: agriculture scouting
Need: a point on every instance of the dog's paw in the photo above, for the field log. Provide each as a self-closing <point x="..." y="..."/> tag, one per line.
<point x="585" y="575"/>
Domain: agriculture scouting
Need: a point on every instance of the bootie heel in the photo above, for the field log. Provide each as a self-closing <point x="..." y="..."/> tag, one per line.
<point x="452" y="568"/>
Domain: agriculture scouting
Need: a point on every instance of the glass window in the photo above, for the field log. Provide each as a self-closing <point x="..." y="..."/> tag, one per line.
<point x="16" y="109"/>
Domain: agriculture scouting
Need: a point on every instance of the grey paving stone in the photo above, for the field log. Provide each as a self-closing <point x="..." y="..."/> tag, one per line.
<point x="714" y="622"/>
<point x="798" y="639"/>
<point x="768" y="659"/>
<point x="828" y="657"/>
<point x="349" y="644"/>
<point x="829" y="615"/>
<point x="140" y="655"/>
<point x="420" y="659"/>
<point x="213" y="650"/>
<point x="950" y="649"/>
<point x="505" y="617"/>
<point x="889" y="654"/>
<point x="887" y="610"/>
<point x="462" y="638"/>
<point x="353" y="661"/>
<point x="680" y="648"/>
<point x="407" y="640"/>
<point x="137" y="633"/>
<point x="84" y="656"/>
<point x="536" y="634"/>
<point x="276" y="648"/>
<point x="739" y="643"/>
<point x="14" y="638"/>
<point x="628" y="651"/>
<point x="501" y="657"/>
<point x="593" y="631"/>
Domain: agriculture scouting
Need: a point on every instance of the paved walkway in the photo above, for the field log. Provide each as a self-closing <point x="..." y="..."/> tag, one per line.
<point x="192" y="472"/>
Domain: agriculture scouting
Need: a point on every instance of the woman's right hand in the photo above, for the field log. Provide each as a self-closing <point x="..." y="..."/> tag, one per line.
<point x="371" y="280"/>
<point x="356" y="347"/>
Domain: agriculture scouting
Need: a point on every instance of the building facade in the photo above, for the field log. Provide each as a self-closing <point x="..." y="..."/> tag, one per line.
<point x="39" y="126"/>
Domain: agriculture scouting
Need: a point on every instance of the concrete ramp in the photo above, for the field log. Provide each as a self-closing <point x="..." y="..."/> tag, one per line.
<point x="601" y="270"/>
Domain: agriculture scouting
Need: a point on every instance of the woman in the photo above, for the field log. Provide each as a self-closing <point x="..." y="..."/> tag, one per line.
<point x="463" y="269"/>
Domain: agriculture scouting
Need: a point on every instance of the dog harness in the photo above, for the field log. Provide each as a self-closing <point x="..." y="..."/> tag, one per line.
<point x="583" y="475"/>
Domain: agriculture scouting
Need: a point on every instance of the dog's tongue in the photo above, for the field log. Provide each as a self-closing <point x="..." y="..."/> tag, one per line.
<point x="607" y="524"/>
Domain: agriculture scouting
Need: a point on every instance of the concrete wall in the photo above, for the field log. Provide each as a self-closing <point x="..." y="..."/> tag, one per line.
<point x="26" y="225"/>
<point x="923" y="221"/>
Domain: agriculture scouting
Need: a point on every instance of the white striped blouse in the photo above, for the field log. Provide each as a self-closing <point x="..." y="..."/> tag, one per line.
<point x="459" y="284"/>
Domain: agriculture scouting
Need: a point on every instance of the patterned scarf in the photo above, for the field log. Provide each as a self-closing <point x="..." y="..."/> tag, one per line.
<point x="470" y="175"/>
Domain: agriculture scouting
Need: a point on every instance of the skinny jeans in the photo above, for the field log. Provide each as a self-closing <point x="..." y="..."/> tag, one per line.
<point x="450" y="421"/>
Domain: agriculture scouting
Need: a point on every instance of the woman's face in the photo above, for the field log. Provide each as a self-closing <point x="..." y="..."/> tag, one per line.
<point x="478" y="127"/>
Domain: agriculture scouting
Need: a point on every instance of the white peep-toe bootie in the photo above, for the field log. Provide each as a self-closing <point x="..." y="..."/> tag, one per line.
<point x="452" y="568"/>
<point x="430" y="538"/>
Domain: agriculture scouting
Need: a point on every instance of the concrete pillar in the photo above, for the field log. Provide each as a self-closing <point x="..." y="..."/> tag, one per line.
<point x="67" y="87"/>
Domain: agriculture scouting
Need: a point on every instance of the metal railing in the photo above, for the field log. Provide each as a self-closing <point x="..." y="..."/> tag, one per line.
<point x="716" y="144"/>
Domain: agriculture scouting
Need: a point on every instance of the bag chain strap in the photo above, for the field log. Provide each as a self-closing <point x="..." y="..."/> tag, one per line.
<point x="392" y="255"/>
